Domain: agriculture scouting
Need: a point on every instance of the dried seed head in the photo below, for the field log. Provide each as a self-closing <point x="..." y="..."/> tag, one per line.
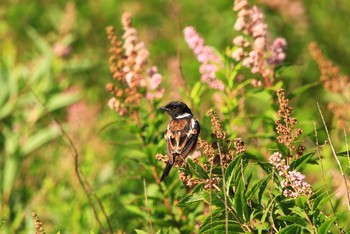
<point x="239" y="145"/>
<point x="286" y="124"/>
<point x="216" y="126"/>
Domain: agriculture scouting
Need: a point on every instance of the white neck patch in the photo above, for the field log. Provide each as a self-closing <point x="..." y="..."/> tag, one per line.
<point x="184" y="115"/>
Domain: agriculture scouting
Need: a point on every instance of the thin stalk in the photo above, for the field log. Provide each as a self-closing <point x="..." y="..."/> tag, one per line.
<point x="335" y="157"/>
<point x="147" y="208"/>
<point x="324" y="179"/>
<point x="224" y="188"/>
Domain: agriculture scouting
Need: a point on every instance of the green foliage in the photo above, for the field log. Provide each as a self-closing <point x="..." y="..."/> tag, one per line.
<point x="45" y="67"/>
<point x="24" y="123"/>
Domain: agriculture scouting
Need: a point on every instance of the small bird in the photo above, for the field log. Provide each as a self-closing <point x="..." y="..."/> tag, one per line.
<point x="181" y="135"/>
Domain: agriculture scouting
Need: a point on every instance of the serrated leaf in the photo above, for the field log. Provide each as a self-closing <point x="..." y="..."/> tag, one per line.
<point x="298" y="211"/>
<point x="321" y="199"/>
<point x="215" y="199"/>
<point x="229" y="173"/>
<point x="296" y="220"/>
<point x="283" y="149"/>
<point x="263" y="187"/>
<point x="326" y="226"/>
<point x="301" y="202"/>
<point x="301" y="161"/>
<point x="234" y="170"/>
<point x="197" y="170"/>
<point x="198" y="188"/>
<point x="220" y="227"/>
<point x="268" y="208"/>
<point x="267" y="167"/>
<point x="343" y="153"/>
<point x="253" y="189"/>
<point x="290" y="229"/>
<point x="192" y="198"/>
<point x="248" y="180"/>
<point x="213" y="216"/>
<point x="240" y="202"/>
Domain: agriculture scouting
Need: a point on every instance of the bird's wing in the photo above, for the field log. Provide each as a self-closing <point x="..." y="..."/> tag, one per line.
<point x="181" y="137"/>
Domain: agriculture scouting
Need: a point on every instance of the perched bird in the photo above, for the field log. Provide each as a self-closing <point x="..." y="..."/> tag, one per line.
<point x="181" y="135"/>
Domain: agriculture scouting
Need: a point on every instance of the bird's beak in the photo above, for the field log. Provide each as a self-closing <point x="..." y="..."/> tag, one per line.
<point x="162" y="108"/>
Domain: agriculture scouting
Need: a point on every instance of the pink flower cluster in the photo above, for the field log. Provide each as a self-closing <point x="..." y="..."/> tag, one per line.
<point x="136" y="59"/>
<point x="258" y="54"/>
<point x="117" y="106"/>
<point x="250" y="21"/>
<point x="133" y="78"/>
<point x="153" y="81"/>
<point x="278" y="55"/>
<point x="293" y="183"/>
<point x="205" y="55"/>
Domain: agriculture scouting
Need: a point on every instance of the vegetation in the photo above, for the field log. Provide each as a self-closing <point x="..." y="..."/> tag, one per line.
<point x="81" y="139"/>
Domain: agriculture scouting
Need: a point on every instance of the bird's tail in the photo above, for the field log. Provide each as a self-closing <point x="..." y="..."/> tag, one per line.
<point x="166" y="171"/>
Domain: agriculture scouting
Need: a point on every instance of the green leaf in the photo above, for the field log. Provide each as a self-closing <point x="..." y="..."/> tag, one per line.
<point x="296" y="220"/>
<point x="234" y="170"/>
<point x="136" y="210"/>
<point x="62" y="100"/>
<point x="216" y="199"/>
<point x="298" y="91"/>
<point x="298" y="211"/>
<point x="6" y="109"/>
<point x="217" y="214"/>
<point x="267" y="167"/>
<point x="301" y="202"/>
<point x="321" y="199"/>
<point x="326" y="226"/>
<point x="268" y="209"/>
<point x="290" y="229"/>
<point x="253" y="189"/>
<point x="283" y="149"/>
<point x="11" y="166"/>
<point x="220" y="227"/>
<point x="192" y="198"/>
<point x="343" y="153"/>
<point x="298" y="163"/>
<point x="248" y="180"/>
<point x="196" y="92"/>
<point x="39" y="41"/>
<point x="263" y="186"/>
<point x="39" y="139"/>
<point x="138" y="231"/>
<point x="197" y="170"/>
<point x="240" y="202"/>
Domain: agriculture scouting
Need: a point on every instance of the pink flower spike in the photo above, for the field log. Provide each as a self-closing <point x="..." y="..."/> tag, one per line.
<point x="210" y="62"/>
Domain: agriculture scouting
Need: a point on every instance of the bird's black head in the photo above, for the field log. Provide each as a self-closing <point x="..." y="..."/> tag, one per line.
<point x="176" y="109"/>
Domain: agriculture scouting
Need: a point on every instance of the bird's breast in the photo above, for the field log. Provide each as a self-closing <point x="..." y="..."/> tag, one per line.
<point x="178" y="125"/>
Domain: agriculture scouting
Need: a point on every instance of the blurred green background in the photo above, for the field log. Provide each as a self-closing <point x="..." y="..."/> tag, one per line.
<point x="57" y="52"/>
